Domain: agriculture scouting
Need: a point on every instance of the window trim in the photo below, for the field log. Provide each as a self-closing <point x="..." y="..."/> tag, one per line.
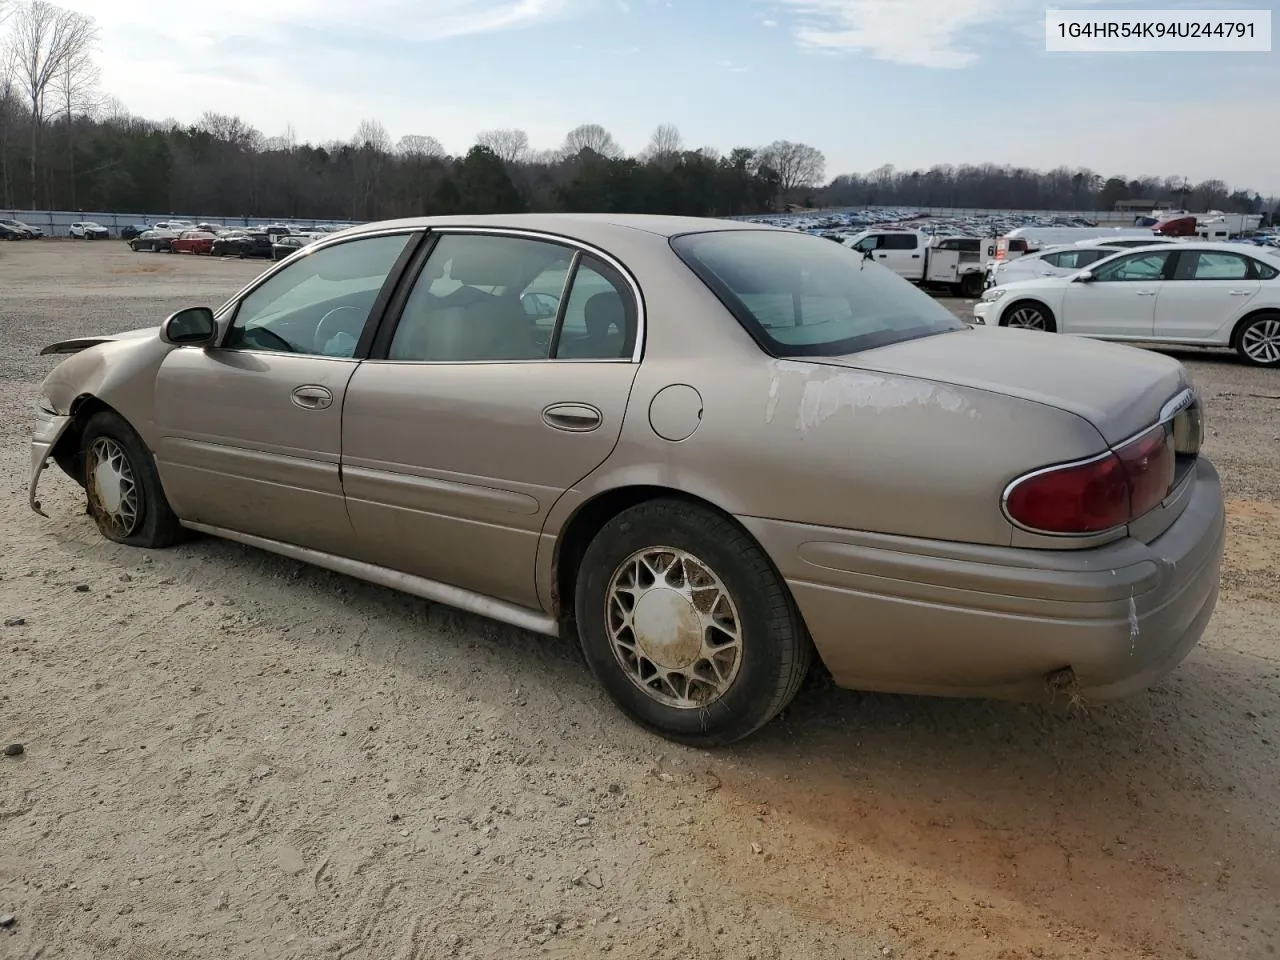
<point x="390" y="319"/>
<point x="230" y="309"/>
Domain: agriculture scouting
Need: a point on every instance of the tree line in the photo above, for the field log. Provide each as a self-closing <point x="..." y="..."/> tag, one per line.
<point x="66" y="144"/>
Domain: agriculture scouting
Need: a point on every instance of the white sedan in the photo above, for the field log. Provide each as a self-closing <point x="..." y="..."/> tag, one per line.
<point x="1063" y="260"/>
<point x="1201" y="294"/>
<point x="88" y="230"/>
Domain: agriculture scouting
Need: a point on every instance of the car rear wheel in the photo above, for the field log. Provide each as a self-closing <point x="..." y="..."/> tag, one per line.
<point x="122" y="485"/>
<point x="1029" y="315"/>
<point x="1258" y="339"/>
<point x="971" y="285"/>
<point x="687" y="625"/>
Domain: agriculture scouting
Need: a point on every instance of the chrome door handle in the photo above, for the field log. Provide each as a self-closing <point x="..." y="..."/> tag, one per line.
<point x="1239" y="293"/>
<point x="572" y="417"/>
<point x="1145" y="293"/>
<point x="311" y="397"/>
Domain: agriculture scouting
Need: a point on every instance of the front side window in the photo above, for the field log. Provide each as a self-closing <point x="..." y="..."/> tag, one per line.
<point x="1138" y="267"/>
<point x="483" y="297"/>
<point x="798" y="296"/>
<point x="317" y="305"/>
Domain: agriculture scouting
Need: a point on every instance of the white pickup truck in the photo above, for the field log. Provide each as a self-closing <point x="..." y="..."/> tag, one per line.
<point x="958" y="263"/>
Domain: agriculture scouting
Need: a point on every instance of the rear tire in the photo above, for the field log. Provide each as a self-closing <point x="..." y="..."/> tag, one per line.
<point x="1029" y="315"/>
<point x="687" y="625"/>
<point x="971" y="285"/>
<point x="122" y="485"/>
<point x="1257" y="339"/>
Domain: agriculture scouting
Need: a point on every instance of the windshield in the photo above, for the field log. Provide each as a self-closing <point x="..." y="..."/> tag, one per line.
<point x="802" y="296"/>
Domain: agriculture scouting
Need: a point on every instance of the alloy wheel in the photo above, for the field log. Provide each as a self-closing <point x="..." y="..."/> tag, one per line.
<point x="1261" y="341"/>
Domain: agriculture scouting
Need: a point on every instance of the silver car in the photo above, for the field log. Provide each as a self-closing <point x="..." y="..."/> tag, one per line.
<point x="711" y="450"/>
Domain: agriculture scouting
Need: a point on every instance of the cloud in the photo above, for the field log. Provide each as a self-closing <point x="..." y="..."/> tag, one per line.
<point x="926" y="33"/>
<point x="768" y="23"/>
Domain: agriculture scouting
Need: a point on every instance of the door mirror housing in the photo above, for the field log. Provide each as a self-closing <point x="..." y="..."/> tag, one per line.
<point x="192" y="327"/>
<point x="1084" y="276"/>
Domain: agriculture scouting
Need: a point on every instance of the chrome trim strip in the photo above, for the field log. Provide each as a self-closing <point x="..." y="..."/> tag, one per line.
<point x="522" y="617"/>
<point x="1181" y="401"/>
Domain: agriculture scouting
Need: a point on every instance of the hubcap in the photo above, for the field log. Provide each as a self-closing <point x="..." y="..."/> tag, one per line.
<point x="674" y="628"/>
<point x="1028" y="318"/>
<point x="113" y="493"/>
<point x="1261" y="341"/>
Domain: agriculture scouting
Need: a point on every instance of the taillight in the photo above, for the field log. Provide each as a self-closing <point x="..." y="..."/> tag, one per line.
<point x="1099" y="494"/>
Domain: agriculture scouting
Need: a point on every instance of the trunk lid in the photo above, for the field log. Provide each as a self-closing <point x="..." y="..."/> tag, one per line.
<point x="1120" y="390"/>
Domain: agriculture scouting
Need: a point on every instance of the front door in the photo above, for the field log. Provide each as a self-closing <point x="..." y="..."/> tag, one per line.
<point x="503" y="384"/>
<point x="1119" y="300"/>
<point x="250" y="432"/>
<point x="1208" y="290"/>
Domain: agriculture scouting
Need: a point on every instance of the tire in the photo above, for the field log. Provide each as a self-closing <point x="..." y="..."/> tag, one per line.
<point x="774" y="649"/>
<point x="971" y="285"/>
<point x="1026" y="308"/>
<point x="133" y="246"/>
<point x="1257" y="339"/>
<point x="109" y="440"/>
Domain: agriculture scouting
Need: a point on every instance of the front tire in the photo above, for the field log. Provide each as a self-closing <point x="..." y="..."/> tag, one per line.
<point x="687" y="625"/>
<point x="1029" y="315"/>
<point x="122" y="485"/>
<point x="1258" y="339"/>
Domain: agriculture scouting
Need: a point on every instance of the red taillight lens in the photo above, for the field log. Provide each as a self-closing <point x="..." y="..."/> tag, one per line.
<point x="1099" y="495"/>
<point x="1085" y="498"/>
<point x="1148" y="463"/>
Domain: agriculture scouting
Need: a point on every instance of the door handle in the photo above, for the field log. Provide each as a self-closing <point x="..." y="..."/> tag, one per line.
<point x="572" y="417"/>
<point x="311" y="397"/>
<point x="1239" y="293"/>
<point x="883" y="256"/>
<point x="1145" y="293"/>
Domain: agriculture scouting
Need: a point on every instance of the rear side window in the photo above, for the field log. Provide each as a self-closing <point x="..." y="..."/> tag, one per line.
<point x="1265" y="271"/>
<point x="898" y="241"/>
<point x="798" y="296"/>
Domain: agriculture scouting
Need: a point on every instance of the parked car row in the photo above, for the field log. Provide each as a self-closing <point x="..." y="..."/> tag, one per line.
<point x="17" y="230"/>
<point x="221" y="241"/>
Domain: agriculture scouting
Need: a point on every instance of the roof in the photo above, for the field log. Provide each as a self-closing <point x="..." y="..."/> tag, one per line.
<point x="583" y="226"/>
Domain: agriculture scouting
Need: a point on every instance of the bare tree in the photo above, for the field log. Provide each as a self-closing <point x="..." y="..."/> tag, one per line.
<point x="590" y="136"/>
<point x="372" y="135"/>
<point x="76" y="85"/>
<point x="8" y="109"/>
<point x="45" y="38"/>
<point x="510" y="145"/>
<point x="796" y="164"/>
<point x="230" y="130"/>
<point x="664" y="145"/>
<point x="419" y="147"/>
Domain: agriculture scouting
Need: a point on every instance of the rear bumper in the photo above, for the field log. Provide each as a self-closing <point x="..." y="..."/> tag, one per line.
<point x="903" y="615"/>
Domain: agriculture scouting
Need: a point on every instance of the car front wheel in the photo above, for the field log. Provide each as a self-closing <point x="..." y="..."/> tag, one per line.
<point x="122" y="485"/>
<point x="1029" y="315"/>
<point x="1258" y="340"/>
<point x="685" y="622"/>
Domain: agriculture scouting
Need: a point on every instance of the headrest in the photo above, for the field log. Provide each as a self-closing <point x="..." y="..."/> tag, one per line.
<point x="602" y="311"/>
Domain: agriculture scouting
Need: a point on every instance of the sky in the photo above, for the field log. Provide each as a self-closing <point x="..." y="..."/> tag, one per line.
<point x="910" y="83"/>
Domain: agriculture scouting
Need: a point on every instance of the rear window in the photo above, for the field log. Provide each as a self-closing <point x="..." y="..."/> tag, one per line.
<point x="800" y="297"/>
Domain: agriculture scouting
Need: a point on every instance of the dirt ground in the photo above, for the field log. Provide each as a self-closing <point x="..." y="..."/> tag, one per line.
<point x="233" y="755"/>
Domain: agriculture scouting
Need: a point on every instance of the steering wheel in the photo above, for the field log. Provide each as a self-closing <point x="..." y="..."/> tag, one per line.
<point x="337" y="321"/>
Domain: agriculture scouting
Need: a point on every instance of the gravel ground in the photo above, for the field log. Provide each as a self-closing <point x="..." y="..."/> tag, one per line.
<point x="228" y="754"/>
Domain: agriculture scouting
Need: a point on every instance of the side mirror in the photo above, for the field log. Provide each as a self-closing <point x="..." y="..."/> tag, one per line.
<point x="192" y="327"/>
<point x="1084" y="276"/>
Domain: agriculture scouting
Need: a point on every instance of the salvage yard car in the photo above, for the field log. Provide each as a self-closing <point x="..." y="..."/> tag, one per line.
<point x="88" y="230"/>
<point x="712" y="450"/>
<point x="1199" y="294"/>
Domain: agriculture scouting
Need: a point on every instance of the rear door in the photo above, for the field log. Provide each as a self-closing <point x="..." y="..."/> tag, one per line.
<point x="1120" y="299"/>
<point x="1207" y="291"/>
<point x="250" y="431"/>
<point x="497" y="382"/>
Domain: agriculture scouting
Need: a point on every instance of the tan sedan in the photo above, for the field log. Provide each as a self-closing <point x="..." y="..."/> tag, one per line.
<point x="713" y="448"/>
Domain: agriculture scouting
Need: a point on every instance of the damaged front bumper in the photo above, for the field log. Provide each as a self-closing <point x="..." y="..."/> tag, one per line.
<point x="48" y="431"/>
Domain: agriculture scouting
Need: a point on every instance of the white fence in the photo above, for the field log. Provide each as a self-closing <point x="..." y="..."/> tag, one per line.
<point x="57" y="223"/>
